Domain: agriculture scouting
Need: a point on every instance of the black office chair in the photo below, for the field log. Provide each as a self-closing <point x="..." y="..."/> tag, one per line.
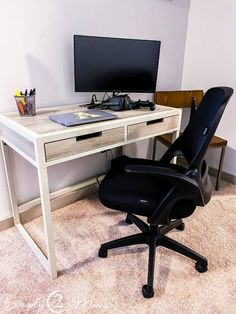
<point x="164" y="192"/>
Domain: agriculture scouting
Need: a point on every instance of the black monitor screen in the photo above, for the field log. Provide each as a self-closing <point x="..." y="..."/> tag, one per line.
<point x="115" y="65"/>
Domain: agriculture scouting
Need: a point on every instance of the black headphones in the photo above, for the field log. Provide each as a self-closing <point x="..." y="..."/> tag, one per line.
<point x="118" y="103"/>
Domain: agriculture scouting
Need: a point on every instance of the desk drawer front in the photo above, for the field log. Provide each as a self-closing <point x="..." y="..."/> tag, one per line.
<point x="18" y="141"/>
<point x="152" y="127"/>
<point x="83" y="143"/>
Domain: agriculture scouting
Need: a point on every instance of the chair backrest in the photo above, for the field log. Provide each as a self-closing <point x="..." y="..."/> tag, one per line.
<point x="178" y="99"/>
<point x="193" y="142"/>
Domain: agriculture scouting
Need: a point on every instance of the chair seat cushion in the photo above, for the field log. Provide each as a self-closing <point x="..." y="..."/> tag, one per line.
<point x="129" y="192"/>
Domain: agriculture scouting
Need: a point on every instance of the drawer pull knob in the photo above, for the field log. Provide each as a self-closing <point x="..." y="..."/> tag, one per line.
<point x="155" y="121"/>
<point x="87" y="136"/>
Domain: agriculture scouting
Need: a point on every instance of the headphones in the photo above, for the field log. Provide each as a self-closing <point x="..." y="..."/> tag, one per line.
<point x="118" y="103"/>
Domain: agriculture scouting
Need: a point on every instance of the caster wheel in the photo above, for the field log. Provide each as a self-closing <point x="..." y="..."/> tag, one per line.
<point x="128" y="221"/>
<point x="102" y="253"/>
<point x="147" y="291"/>
<point x="201" y="267"/>
<point x="181" y="227"/>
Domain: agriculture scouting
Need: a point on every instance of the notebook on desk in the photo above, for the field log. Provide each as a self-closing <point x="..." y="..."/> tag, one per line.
<point x="82" y="117"/>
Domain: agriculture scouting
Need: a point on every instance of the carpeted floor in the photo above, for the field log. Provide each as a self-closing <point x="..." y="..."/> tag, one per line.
<point x="88" y="284"/>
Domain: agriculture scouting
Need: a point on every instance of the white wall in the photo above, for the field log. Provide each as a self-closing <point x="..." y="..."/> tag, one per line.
<point x="36" y="51"/>
<point x="210" y="61"/>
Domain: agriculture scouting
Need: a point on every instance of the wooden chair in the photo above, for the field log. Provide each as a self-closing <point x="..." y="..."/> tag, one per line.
<point x="184" y="99"/>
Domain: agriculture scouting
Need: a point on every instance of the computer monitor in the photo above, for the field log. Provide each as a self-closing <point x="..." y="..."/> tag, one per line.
<point x="115" y="65"/>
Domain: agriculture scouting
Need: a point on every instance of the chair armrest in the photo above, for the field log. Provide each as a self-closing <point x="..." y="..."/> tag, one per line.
<point x="181" y="181"/>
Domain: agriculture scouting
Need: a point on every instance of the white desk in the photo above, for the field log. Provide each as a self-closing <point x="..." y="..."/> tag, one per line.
<point x="45" y="143"/>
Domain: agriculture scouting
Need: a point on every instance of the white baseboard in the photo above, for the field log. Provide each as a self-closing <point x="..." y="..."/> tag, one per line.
<point x="71" y="194"/>
<point x="224" y="175"/>
<point x="59" y="199"/>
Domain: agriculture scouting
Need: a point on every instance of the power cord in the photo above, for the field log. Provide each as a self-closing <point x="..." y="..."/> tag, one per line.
<point x="98" y="182"/>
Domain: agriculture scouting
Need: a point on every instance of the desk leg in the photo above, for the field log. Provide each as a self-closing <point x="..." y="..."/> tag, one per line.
<point x="174" y="137"/>
<point x="10" y="182"/>
<point x="175" y="134"/>
<point x="154" y="147"/>
<point x="49" y="263"/>
<point x="46" y="211"/>
<point x="121" y="150"/>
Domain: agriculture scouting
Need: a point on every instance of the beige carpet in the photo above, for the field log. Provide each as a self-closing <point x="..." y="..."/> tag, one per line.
<point x="88" y="284"/>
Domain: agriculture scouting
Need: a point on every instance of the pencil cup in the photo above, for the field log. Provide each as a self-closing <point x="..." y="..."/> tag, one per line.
<point x="26" y="105"/>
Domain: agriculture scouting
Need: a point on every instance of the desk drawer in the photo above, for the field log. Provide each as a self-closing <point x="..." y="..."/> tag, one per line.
<point x="83" y="143"/>
<point x="153" y="127"/>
